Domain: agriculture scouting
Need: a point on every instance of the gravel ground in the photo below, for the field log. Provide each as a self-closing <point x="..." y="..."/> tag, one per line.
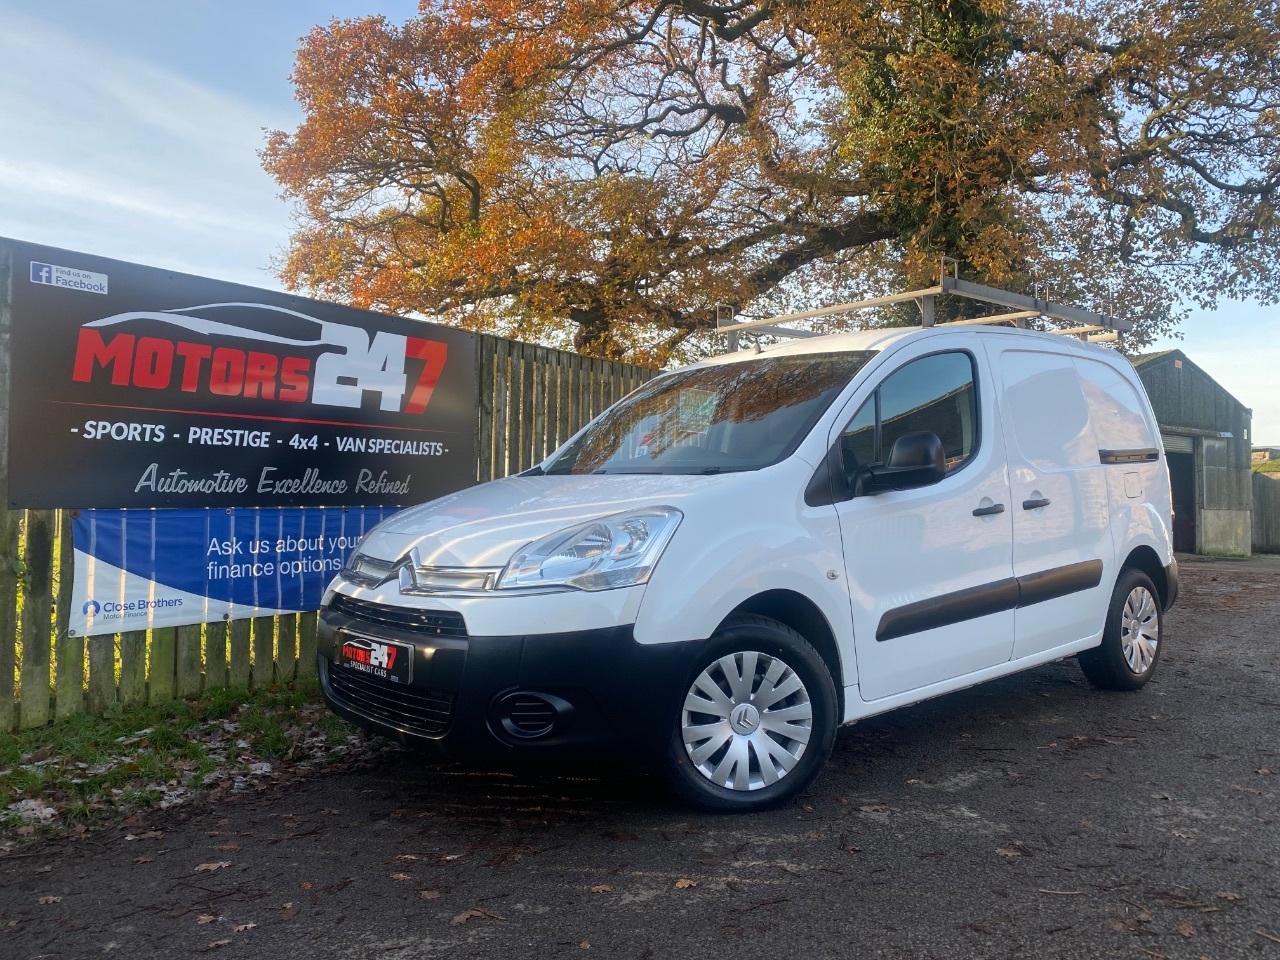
<point x="1031" y="817"/>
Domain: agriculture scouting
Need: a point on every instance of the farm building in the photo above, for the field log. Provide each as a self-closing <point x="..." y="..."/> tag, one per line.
<point x="1206" y="439"/>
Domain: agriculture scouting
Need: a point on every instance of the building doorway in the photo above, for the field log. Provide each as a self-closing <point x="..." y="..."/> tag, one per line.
<point x="1182" y="480"/>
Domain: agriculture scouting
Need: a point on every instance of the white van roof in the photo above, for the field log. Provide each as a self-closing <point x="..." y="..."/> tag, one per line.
<point x="880" y="339"/>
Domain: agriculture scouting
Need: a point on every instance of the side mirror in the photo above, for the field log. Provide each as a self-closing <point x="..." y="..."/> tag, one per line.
<point x="916" y="460"/>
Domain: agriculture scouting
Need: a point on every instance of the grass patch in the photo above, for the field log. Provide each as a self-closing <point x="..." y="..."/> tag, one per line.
<point x="1267" y="466"/>
<point x="88" y="769"/>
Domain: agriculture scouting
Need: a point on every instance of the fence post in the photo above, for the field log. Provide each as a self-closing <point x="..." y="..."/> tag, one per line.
<point x="70" y="650"/>
<point x="102" y="672"/>
<point x="215" y="654"/>
<point x="239" y="643"/>
<point x="163" y="644"/>
<point x="133" y="667"/>
<point x="287" y="648"/>
<point x="188" y="661"/>
<point x="264" y="651"/>
<point x="307" y="639"/>
<point x="501" y="377"/>
<point x="37" y="619"/>
<point x="9" y="519"/>
<point x="484" y="410"/>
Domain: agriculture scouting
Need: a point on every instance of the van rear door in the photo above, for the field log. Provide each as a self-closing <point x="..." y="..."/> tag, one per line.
<point x="1063" y="557"/>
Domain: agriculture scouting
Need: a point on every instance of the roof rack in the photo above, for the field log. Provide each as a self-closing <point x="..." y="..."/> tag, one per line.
<point x="1093" y="326"/>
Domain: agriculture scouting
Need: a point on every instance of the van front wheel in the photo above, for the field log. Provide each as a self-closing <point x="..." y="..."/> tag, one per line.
<point x="757" y="721"/>
<point x="1130" y="647"/>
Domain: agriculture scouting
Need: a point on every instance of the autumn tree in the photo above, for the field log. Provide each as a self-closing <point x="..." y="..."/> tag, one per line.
<point x="615" y="169"/>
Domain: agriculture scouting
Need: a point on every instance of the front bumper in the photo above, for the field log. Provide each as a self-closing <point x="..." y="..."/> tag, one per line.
<point x="601" y="696"/>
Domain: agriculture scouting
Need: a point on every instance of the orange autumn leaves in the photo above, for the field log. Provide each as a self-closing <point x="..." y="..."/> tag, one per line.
<point x="605" y="173"/>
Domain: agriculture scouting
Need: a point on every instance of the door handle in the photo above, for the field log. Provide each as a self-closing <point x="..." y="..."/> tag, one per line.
<point x="989" y="511"/>
<point x="1035" y="504"/>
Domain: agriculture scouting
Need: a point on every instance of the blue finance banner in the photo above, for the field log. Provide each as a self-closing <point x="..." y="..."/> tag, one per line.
<point x="137" y="569"/>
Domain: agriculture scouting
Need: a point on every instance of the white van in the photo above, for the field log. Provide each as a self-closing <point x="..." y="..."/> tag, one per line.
<point x="744" y="554"/>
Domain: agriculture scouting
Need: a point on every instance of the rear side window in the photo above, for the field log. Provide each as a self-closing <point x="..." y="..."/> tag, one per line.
<point x="1043" y="402"/>
<point x="934" y="394"/>
<point x="1118" y="413"/>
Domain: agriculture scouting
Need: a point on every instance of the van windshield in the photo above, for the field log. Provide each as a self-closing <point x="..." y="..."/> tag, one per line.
<point x="733" y="416"/>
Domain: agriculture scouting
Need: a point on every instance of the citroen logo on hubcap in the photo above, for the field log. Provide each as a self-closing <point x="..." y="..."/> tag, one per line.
<point x="744" y="719"/>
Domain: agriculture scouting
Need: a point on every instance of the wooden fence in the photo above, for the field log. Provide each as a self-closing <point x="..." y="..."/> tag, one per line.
<point x="531" y="400"/>
<point x="1266" y="512"/>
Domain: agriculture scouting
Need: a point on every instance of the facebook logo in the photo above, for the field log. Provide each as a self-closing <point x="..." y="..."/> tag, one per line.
<point x="68" y="278"/>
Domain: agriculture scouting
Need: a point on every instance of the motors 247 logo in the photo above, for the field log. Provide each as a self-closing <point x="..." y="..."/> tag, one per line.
<point x="294" y="358"/>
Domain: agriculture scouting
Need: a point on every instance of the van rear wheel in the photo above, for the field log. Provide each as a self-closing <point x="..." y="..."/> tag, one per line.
<point x="1130" y="648"/>
<point x="757" y="721"/>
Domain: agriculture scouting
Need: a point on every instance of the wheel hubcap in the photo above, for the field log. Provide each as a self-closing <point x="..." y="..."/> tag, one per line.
<point x="1140" y="629"/>
<point x="746" y="721"/>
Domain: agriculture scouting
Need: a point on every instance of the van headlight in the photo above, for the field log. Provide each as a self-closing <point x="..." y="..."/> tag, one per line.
<point x="615" y="551"/>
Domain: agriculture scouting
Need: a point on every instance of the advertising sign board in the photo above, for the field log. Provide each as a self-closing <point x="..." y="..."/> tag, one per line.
<point x="136" y="387"/>
<point x="139" y="569"/>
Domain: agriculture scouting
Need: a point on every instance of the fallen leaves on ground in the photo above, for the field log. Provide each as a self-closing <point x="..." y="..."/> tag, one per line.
<point x="400" y="876"/>
<point x="429" y="894"/>
<point x="242" y="927"/>
<point x="585" y="945"/>
<point x="475" y="913"/>
<point x="48" y="900"/>
<point x="1186" y="930"/>
<point x="215" y="865"/>
<point x="685" y="884"/>
<point x="135" y="772"/>
<point x="602" y="888"/>
<point x="206" y="918"/>
<point x="874" y="807"/>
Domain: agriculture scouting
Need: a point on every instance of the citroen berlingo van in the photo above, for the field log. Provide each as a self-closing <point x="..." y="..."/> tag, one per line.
<point x="746" y="553"/>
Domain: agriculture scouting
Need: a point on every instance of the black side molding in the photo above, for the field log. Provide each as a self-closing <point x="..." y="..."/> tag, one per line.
<point x="988" y="598"/>
<point x="1051" y="584"/>
<point x="967" y="604"/>
<point x="1143" y="455"/>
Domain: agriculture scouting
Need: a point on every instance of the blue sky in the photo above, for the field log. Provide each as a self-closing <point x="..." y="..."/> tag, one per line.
<point x="130" y="129"/>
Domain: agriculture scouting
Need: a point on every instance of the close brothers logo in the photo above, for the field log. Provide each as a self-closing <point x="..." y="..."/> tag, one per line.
<point x="402" y="370"/>
<point x="130" y="609"/>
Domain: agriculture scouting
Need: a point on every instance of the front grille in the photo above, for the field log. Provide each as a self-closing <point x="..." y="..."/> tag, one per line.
<point x="532" y="716"/>
<point x="425" y="712"/>
<point x="431" y="623"/>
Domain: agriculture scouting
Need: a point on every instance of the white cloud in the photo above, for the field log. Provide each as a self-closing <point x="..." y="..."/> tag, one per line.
<point x="128" y="159"/>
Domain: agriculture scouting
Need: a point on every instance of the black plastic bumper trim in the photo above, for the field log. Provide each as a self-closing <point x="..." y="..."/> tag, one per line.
<point x="608" y="691"/>
<point x="1171" y="579"/>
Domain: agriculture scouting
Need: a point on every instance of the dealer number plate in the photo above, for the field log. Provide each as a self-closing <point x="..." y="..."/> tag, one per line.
<point x="382" y="659"/>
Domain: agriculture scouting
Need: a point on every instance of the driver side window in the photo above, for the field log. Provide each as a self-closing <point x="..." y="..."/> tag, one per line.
<point x="936" y="394"/>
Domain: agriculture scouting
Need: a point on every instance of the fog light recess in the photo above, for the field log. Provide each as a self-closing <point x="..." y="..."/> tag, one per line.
<point x="529" y="716"/>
